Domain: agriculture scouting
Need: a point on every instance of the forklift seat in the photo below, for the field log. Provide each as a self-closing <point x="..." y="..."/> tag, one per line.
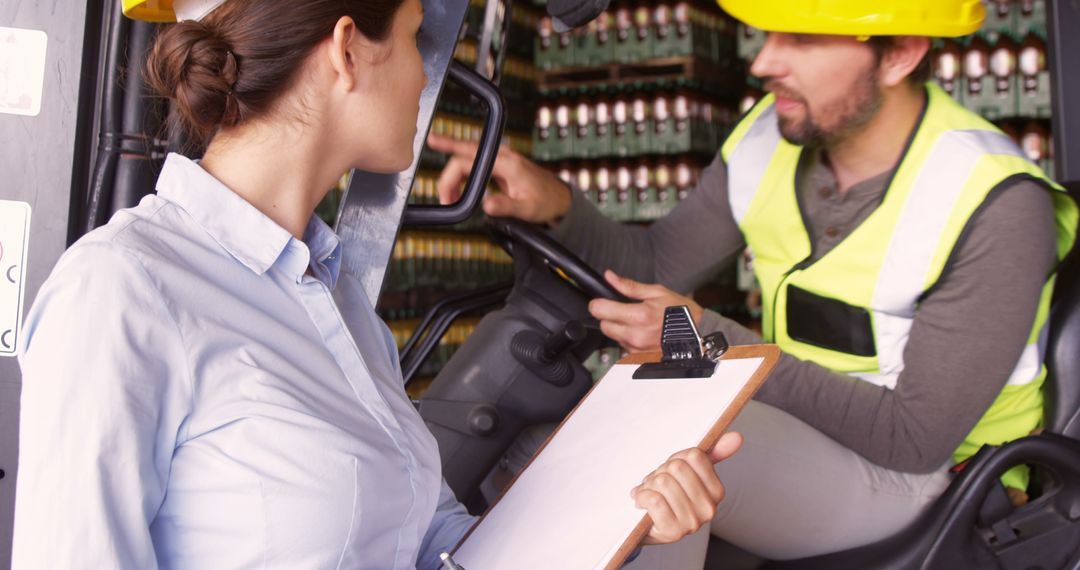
<point x="971" y="525"/>
<point x="1063" y="353"/>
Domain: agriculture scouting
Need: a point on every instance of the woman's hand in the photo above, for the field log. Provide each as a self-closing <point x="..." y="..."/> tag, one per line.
<point x="528" y="191"/>
<point x="682" y="494"/>
<point x="637" y="326"/>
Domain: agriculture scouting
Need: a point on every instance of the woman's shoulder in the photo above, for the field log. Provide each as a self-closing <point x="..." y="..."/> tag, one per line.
<point x="122" y="254"/>
<point x="155" y="232"/>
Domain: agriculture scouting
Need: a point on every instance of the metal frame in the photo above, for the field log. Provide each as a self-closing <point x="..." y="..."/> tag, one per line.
<point x="1063" y="20"/>
<point x="374" y="204"/>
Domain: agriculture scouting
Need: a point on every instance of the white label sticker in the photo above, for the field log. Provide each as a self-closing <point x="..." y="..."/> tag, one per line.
<point x="14" y="242"/>
<point x="22" y="70"/>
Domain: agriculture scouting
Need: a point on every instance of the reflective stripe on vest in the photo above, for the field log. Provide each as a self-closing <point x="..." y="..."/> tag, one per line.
<point x="752" y="156"/>
<point x="917" y="234"/>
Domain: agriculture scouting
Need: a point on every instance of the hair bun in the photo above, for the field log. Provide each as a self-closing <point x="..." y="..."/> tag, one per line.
<point x="197" y="69"/>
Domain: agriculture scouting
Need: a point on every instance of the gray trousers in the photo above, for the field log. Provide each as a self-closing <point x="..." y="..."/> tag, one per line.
<point x="791" y="492"/>
<point x="794" y="492"/>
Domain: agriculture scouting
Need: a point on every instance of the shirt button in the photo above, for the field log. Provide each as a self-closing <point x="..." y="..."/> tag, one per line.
<point x="832" y="231"/>
<point x="825" y="192"/>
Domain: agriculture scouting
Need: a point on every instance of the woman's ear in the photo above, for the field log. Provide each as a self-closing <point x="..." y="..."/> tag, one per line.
<point x="901" y="58"/>
<point x="344" y="59"/>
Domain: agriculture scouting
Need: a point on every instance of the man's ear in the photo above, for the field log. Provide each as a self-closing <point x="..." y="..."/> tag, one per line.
<point x="901" y="58"/>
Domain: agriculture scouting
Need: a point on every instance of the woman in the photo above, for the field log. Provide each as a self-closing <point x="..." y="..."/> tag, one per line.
<point x="203" y="387"/>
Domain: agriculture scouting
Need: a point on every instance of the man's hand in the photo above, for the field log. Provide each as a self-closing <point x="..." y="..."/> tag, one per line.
<point x="637" y="326"/>
<point x="528" y="193"/>
<point x="682" y="494"/>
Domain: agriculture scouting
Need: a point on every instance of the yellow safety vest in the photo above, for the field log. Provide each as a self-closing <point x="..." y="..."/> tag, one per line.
<point x="852" y="310"/>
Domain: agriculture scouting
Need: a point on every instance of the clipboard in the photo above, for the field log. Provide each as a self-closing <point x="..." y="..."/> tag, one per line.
<point x="565" y="509"/>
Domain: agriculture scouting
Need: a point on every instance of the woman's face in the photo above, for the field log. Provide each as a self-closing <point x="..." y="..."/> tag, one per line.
<point x="393" y="96"/>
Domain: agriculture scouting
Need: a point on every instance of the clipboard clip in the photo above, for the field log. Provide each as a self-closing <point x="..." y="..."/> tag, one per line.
<point x="686" y="354"/>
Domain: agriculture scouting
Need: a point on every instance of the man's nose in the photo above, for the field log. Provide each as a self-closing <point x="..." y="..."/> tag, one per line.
<point x="769" y="61"/>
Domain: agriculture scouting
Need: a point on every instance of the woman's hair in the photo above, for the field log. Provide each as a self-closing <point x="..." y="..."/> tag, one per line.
<point x="234" y="64"/>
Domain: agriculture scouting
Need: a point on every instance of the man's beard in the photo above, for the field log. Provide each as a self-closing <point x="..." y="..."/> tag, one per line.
<point x="845" y="117"/>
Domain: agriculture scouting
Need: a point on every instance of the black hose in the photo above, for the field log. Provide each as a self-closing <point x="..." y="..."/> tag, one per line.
<point x="110" y="113"/>
<point x="140" y="153"/>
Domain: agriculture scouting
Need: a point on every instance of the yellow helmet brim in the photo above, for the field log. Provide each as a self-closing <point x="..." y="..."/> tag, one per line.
<point x="160" y="11"/>
<point x="931" y="18"/>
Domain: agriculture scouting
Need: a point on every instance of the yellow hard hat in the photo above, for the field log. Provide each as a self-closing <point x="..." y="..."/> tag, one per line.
<point x="932" y="18"/>
<point x="150" y="10"/>
<point x="168" y="10"/>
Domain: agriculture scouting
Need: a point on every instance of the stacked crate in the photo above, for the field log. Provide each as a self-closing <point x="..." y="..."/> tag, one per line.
<point x="634" y="105"/>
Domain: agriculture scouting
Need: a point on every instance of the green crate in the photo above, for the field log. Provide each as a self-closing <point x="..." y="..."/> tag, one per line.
<point x="645" y="209"/>
<point x="674" y="35"/>
<point x="644" y="193"/>
<point x="703" y="136"/>
<point x="597" y="143"/>
<point x="554" y="51"/>
<point x="953" y="87"/>
<point x="984" y="97"/>
<point x="594" y="45"/>
<point x="555" y="142"/>
<point x="667" y="138"/>
<point x="724" y="35"/>
<point x="654" y="203"/>
<point x="1033" y="99"/>
<point x="748" y="43"/>
<point x="637" y="138"/>
<point x="616" y="204"/>
<point x="633" y="43"/>
<point x="546" y="53"/>
<point x="548" y="146"/>
<point x="1031" y="18"/>
<point x="621" y="127"/>
<point x="604" y="199"/>
<point x="1001" y="17"/>
<point x="667" y="197"/>
<point x="590" y="141"/>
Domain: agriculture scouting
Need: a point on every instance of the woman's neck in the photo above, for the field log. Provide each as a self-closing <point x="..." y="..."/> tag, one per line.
<point x="282" y="172"/>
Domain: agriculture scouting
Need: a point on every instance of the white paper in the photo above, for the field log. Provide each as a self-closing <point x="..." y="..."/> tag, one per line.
<point x="22" y="70"/>
<point x="571" y="507"/>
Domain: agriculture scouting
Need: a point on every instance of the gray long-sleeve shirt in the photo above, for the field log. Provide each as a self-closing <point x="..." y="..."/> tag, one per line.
<point x="965" y="341"/>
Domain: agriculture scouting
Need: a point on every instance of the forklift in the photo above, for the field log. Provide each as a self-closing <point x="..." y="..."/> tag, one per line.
<point x="85" y="141"/>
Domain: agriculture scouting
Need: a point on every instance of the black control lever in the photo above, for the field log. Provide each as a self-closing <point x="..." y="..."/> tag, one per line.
<point x="547" y="357"/>
<point x="560" y="343"/>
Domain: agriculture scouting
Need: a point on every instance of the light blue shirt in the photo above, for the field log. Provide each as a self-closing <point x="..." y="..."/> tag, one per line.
<point x="193" y="399"/>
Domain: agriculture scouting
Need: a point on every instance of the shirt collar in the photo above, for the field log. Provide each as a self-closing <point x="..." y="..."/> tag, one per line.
<point x="821" y="175"/>
<point x="325" y="248"/>
<point x="247" y="234"/>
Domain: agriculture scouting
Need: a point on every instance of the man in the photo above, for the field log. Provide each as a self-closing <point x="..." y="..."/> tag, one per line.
<point x="905" y="250"/>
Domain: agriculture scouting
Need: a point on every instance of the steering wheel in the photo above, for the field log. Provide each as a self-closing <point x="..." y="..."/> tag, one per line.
<point x="579" y="273"/>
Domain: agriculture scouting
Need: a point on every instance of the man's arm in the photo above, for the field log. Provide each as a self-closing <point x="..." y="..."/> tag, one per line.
<point x="680" y="251"/>
<point x="965" y="342"/>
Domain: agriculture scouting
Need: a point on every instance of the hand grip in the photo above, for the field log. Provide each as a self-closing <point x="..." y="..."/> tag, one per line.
<point x="490" y="140"/>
